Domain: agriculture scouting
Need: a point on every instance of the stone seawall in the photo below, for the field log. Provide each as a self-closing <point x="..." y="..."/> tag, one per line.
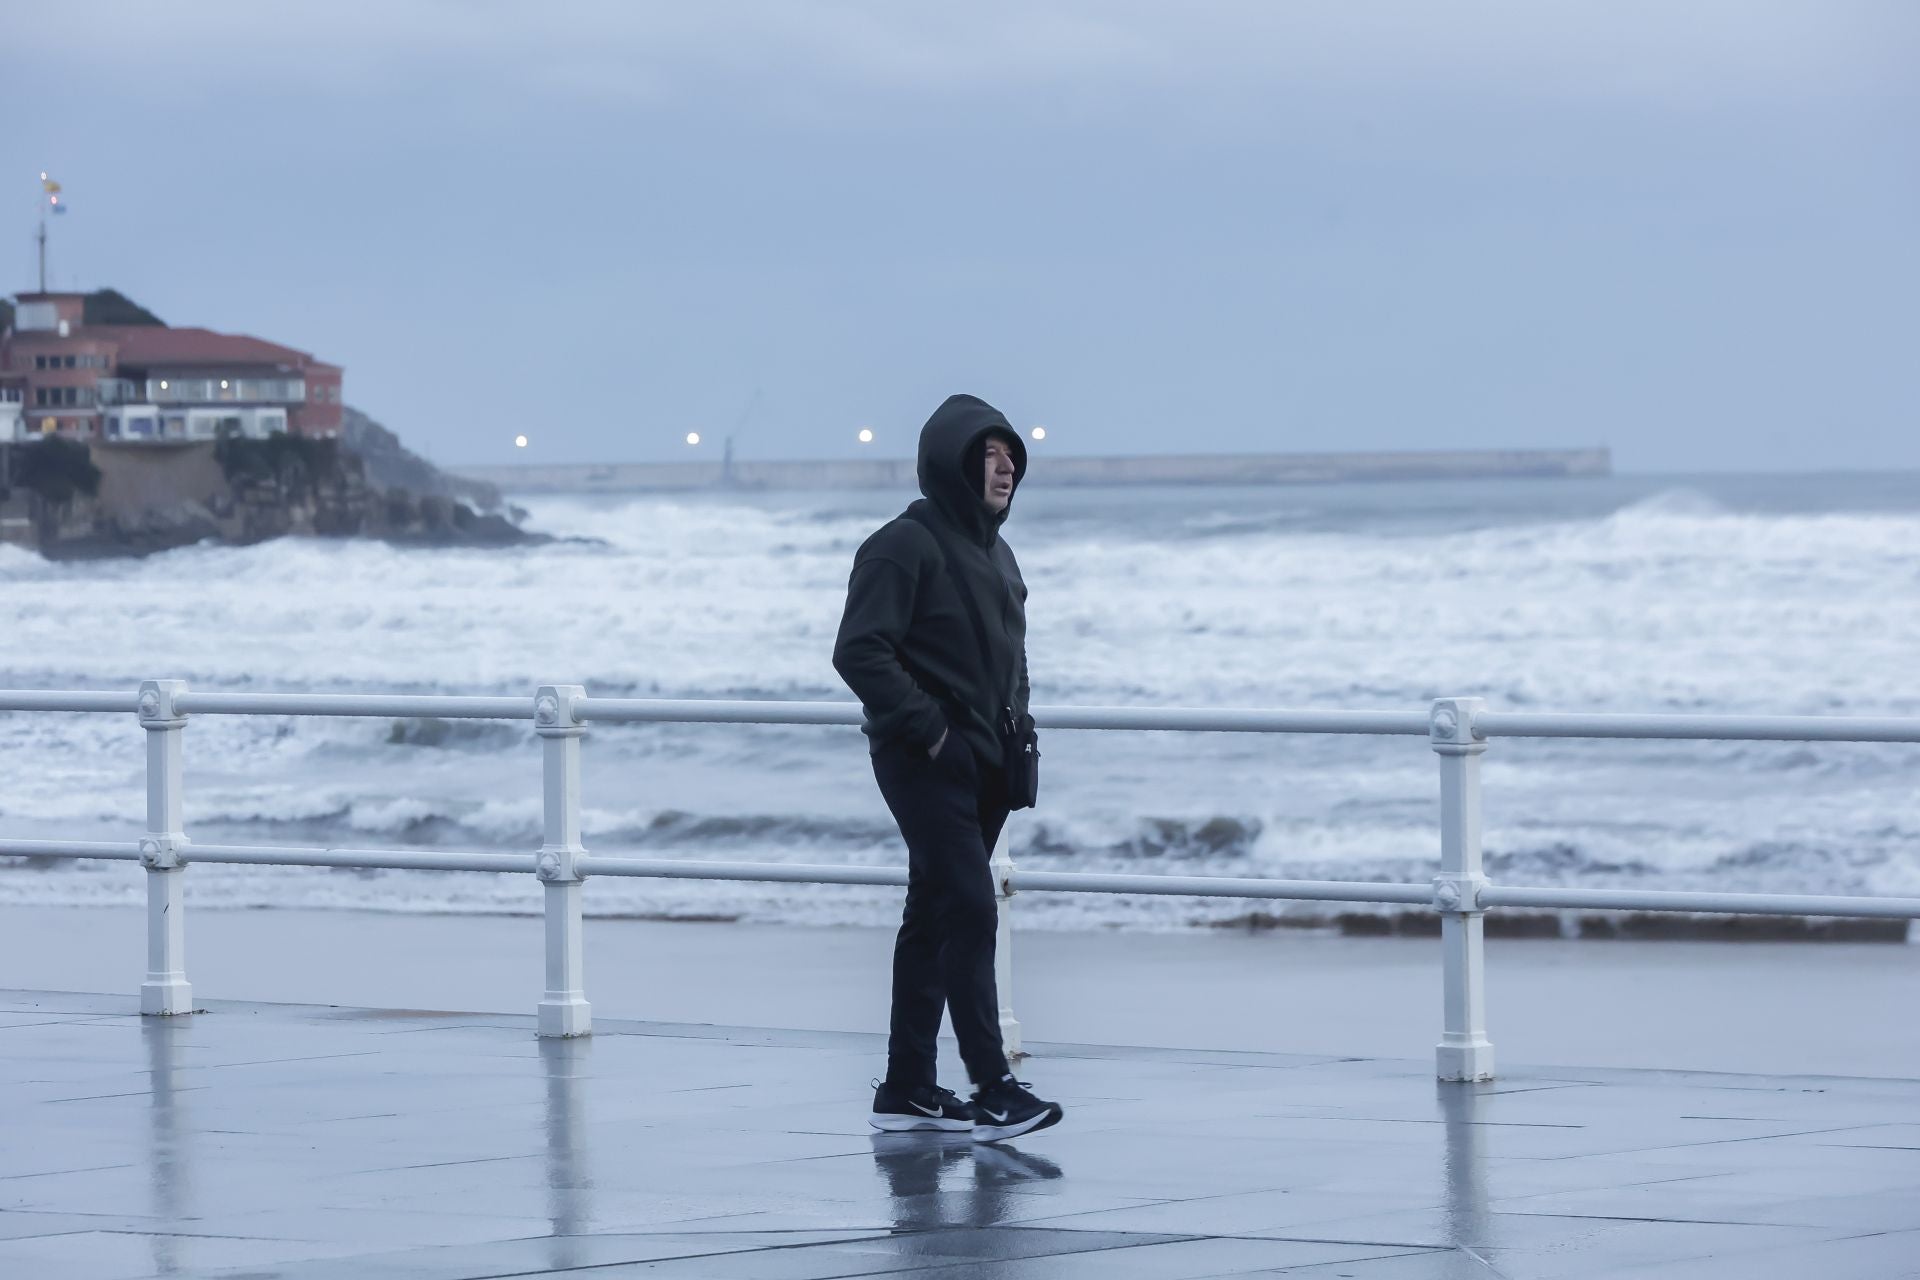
<point x="154" y="497"/>
<point x="1197" y="469"/>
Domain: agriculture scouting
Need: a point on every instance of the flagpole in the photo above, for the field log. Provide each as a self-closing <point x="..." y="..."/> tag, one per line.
<point x="43" y="233"/>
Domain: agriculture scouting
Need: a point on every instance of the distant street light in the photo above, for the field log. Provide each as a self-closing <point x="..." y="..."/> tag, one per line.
<point x="519" y="442"/>
<point x="693" y="437"/>
<point x="866" y="436"/>
<point x="1039" y="433"/>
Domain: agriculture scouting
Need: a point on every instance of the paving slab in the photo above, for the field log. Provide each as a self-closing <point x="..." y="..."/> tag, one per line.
<point x="295" y="1142"/>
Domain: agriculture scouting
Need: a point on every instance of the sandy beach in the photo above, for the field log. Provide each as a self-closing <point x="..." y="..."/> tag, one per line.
<point x="1779" y="1008"/>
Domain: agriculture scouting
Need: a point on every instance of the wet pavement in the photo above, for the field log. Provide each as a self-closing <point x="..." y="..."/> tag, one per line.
<point x="260" y="1140"/>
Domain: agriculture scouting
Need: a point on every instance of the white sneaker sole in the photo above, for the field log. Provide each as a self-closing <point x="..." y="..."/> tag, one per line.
<point x="1001" y="1132"/>
<point x="890" y="1123"/>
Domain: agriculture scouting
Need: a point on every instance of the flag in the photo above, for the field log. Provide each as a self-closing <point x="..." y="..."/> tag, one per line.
<point x="52" y="187"/>
<point x="57" y="206"/>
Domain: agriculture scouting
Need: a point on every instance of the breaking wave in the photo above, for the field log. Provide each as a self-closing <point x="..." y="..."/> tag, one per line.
<point x="1674" y="598"/>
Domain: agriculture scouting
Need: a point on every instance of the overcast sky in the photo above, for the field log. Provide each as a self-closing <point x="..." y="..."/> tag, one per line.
<point x="1690" y="231"/>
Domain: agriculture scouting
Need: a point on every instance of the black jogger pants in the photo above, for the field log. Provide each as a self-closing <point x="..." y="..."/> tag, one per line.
<point x="950" y="811"/>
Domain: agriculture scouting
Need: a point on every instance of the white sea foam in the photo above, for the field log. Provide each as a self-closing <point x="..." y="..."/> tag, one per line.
<point x="1681" y="600"/>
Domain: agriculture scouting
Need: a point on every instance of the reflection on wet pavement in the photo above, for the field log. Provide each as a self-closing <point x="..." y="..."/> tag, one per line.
<point x="257" y="1140"/>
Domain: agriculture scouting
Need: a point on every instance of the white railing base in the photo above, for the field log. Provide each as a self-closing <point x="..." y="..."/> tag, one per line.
<point x="166" y="998"/>
<point x="565" y="1019"/>
<point x="1470" y="1062"/>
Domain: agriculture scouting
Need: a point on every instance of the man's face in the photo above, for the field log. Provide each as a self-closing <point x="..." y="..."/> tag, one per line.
<point x="999" y="471"/>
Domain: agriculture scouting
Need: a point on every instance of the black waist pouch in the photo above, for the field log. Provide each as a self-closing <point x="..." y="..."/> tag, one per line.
<point x="1022" y="752"/>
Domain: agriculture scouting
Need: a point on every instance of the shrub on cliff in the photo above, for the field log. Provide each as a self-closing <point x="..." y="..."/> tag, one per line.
<point x="110" y="306"/>
<point x="294" y="463"/>
<point x="57" y="469"/>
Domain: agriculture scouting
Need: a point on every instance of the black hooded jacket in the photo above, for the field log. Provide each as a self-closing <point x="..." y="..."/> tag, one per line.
<point x="907" y="647"/>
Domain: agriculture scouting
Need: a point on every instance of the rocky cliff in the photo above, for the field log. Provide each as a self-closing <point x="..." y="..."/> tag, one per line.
<point x="391" y="465"/>
<point x="152" y="497"/>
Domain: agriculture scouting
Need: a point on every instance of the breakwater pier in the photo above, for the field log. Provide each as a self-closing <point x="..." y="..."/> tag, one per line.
<point x="1180" y="469"/>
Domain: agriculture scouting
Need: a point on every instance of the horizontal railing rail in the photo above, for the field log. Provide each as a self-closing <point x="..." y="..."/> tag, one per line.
<point x="1702" y="903"/>
<point x="1486" y="724"/>
<point x="67" y="700"/>
<point x="1457" y="729"/>
<point x="1542" y="724"/>
<point x="350" y="704"/>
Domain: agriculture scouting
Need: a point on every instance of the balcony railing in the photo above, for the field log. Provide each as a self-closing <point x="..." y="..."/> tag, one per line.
<point x="1458" y="730"/>
<point x="225" y="390"/>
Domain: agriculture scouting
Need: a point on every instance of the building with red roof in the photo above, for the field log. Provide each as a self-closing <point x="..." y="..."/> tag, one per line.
<point x="150" y="382"/>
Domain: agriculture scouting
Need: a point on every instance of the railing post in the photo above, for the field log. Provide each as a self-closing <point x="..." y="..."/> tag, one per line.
<point x="1001" y="865"/>
<point x="563" y="1009"/>
<point x="1464" y="1053"/>
<point x="162" y="850"/>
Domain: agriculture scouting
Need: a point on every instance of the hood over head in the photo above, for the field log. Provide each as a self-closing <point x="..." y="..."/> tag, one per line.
<point x="952" y="454"/>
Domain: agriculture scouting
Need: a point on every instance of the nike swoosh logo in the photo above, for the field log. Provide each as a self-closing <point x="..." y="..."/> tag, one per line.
<point x="925" y="1111"/>
<point x="996" y="1117"/>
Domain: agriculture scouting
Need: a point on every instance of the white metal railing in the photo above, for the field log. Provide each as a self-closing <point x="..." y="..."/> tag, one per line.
<point x="1457" y="729"/>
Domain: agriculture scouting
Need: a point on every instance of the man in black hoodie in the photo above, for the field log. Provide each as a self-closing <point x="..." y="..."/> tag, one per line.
<point x="937" y="680"/>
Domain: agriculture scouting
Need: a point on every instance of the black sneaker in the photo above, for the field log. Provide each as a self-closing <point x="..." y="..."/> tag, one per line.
<point x="1004" y="1109"/>
<point x="926" y="1107"/>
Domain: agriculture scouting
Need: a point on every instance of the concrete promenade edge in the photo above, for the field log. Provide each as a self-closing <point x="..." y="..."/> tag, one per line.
<point x="261" y="1140"/>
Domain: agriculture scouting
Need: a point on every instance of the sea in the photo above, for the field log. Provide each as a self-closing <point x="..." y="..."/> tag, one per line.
<point x="1796" y="594"/>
